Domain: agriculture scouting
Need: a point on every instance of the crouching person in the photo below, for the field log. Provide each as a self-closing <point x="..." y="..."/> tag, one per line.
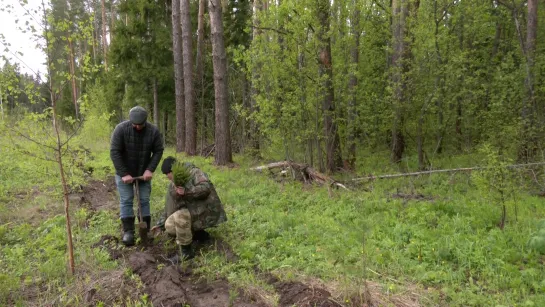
<point x="191" y="206"/>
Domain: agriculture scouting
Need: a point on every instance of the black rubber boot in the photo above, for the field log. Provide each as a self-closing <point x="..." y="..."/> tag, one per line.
<point x="185" y="253"/>
<point x="201" y="236"/>
<point x="128" y="231"/>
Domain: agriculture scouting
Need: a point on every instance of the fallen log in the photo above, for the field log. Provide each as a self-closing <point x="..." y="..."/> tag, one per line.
<point x="453" y="170"/>
<point x="308" y="173"/>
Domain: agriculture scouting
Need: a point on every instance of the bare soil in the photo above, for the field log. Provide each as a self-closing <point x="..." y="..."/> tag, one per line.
<point x="301" y="295"/>
<point x="98" y="195"/>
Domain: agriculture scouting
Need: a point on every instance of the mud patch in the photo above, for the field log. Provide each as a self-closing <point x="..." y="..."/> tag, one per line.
<point x="112" y="245"/>
<point x="170" y="285"/>
<point x="301" y="295"/>
<point x="98" y="195"/>
<point x="224" y="249"/>
<point x="112" y="288"/>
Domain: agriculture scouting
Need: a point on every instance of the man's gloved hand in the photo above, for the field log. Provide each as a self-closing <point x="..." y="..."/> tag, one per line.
<point x="127" y="179"/>
<point x="147" y="175"/>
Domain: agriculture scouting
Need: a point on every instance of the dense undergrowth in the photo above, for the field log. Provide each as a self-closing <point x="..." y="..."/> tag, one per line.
<point x="438" y="234"/>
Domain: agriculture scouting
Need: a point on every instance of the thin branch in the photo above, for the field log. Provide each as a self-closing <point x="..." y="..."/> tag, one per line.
<point x="73" y="134"/>
<point x="28" y="153"/>
<point x="285" y="32"/>
<point x="30" y="139"/>
<point x="18" y="58"/>
<point x="24" y="8"/>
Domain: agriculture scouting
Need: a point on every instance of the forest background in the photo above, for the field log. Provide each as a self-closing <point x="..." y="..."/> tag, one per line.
<point x="350" y="88"/>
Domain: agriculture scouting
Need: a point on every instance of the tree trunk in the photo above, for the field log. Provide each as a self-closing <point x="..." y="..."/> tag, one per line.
<point x="187" y="47"/>
<point x="459" y="98"/>
<point x="95" y="30"/>
<point x="353" y="86"/>
<point x="199" y="69"/>
<point x="319" y="153"/>
<point x="112" y="18"/>
<point x="73" y="77"/>
<point x="529" y="110"/>
<point x="155" y="103"/>
<point x="531" y="37"/>
<point x="420" y="142"/>
<point x="333" y="150"/>
<point x="163" y="125"/>
<point x="178" y="76"/>
<point x="104" y="41"/>
<point x="254" y="127"/>
<point x="399" y="14"/>
<point x="223" y="153"/>
<point x="439" y="84"/>
<point x="58" y="148"/>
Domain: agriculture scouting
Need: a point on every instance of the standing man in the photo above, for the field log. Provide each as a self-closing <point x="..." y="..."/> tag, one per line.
<point x="136" y="149"/>
<point x="190" y="208"/>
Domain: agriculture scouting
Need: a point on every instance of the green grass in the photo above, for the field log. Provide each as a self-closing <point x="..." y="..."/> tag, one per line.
<point x="449" y="246"/>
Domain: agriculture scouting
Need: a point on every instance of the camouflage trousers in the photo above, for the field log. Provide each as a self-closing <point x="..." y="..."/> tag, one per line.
<point x="179" y="225"/>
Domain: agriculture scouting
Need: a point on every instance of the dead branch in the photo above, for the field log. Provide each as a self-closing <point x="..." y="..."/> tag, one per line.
<point x="307" y="172"/>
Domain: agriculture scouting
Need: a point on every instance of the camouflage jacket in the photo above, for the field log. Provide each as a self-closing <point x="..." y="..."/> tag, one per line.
<point x="200" y="199"/>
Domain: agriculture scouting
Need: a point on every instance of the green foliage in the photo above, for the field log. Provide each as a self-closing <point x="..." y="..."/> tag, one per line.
<point x="180" y="173"/>
<point x="140" y="54"/>
<point x="497" y="181"/>
<point x="99" y="114"/>
<point x="537" y="241"/>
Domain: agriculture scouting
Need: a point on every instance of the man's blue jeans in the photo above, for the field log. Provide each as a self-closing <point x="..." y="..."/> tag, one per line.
<point x="126" y="197"/>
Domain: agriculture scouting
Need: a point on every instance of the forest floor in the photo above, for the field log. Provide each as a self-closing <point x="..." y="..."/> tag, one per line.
<point x="405" y="242"/>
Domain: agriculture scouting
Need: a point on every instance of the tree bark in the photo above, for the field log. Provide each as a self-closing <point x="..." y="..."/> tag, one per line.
<point x="112" y="18"/>
<point x="187" y="47"/>
<point x="155" y="103"/>
<point x="459" y="99"/>
<point x="104" y="40"/>
<point x="95" y="29"/>
<point x="353" y="86"/>
<point x="528" y="46"/>
<point x="399" y="14"/>
<point x="223" y="153"/>
<point x="333" y="150"/>
<point x="178" y="76"/>
<point x="531" y="37"/>
<point x="254" y="127"/>
<point x="530" y="108"/>
<point x="199" y="69"/>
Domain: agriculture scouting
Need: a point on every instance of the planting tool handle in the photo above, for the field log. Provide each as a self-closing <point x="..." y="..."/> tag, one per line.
<point x="137" y="195"/>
